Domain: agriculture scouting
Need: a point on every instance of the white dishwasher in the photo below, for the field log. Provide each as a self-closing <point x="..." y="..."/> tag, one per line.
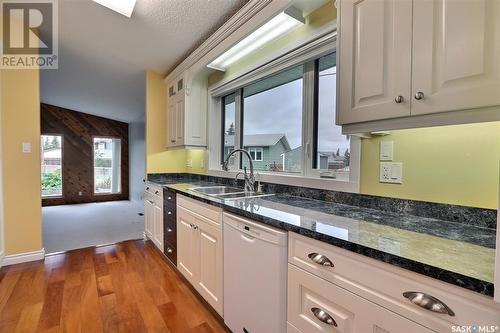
<point x="255" y="276"/>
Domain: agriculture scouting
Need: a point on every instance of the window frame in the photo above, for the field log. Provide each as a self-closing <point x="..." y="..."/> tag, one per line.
<point x="93" y="165"/>
<point x="61" y="196"/>
<point x="310" y="177"/>
<point x="255" y="150"/>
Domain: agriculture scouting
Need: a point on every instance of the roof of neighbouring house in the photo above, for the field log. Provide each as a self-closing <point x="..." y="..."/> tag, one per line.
<point x="259" y="140"/>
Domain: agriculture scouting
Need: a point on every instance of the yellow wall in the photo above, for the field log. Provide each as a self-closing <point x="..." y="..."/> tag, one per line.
<point x="158" y="159"/>
<point x="20" y="123"/>
<point x="449" y="164"/>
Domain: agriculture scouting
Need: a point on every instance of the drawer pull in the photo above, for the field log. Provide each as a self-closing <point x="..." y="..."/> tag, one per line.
<point x="323" y="316"/>
<point x="320" y="259"/>
<point x="428" y="302"/>
<point x="169" y="213"/>
<point x="169" y="198"/>
<point x="156" y="192"/>
<point x="169" y="230"/>
<point x="169" y="250"/>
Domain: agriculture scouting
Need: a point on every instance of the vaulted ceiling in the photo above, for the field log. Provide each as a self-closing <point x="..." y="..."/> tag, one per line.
<point x="103" y="55"/>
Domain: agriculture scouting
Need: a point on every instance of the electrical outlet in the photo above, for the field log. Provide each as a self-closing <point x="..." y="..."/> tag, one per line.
<point x="202" y="164"/>
<point x="391" y="172"/>
<point x="80" y="193"/>
<point x="189" y="163"/>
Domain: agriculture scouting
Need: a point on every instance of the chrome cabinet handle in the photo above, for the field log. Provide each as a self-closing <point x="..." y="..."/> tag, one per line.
<point x="169" y="230"/>
<point x="169" y="250"/>
<point x="156" y="192"/>
<point x="169" y="213"/>
<point x="323" y="316"/>
<point x="320" y="259"/>
<point x="147" y="188"/>
<point x="419" y="95"/>
<point x="428" y="302"/>
<point x="195" y="227"/>
<point x="169" y="198"/>
<point x="399" y="99"/>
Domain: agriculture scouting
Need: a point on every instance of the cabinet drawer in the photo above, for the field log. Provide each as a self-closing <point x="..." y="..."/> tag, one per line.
<point x="318" y="306"/>
<point x="171" y="252"/>
<point x="169" y="196"/>
<point x="205" y="211"/>
<point x="170" y="234"/>
<point x="384" y="284"/>
<point x="170" y="211"/>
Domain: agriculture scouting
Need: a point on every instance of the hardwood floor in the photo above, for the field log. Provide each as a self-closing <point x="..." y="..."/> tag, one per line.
<point x="126" y="287"/>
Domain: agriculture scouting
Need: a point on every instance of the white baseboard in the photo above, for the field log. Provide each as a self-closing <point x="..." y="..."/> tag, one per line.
<point x="1" y="258"/>
<point x="23" y="257"/>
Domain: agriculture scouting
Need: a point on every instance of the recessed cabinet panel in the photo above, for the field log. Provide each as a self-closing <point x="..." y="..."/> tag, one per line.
<point x="186" y="245"/>
<point x="456" y="52"/>
<point x="179" y="106"/>
<point x="210" y="281"/>
<point x="374" y="59"/>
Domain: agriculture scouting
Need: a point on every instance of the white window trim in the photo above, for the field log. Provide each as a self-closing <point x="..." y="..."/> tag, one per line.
<point x="255" y="150"/>
<point x="309" y="178"/>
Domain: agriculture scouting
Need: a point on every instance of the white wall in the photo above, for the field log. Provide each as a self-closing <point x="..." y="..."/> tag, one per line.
<point x="137" y="159"/>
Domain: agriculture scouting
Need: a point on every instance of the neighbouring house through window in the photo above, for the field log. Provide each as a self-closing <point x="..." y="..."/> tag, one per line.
<point x="272" y="121"/>
<point x="286" y="122"/>
<point x="51" y="168"/>
<point x="107" y="165"/>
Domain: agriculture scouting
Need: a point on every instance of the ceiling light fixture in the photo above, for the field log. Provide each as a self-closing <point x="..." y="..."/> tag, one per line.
<point x="273" y="29"/>
<point x="124" y="7"/>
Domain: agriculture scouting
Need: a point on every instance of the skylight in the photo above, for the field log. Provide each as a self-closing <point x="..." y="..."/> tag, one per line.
<point x="273" y="29"/>
<point x="124" y="7"/>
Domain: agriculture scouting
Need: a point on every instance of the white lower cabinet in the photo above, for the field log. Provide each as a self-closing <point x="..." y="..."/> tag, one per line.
<point x="365" y="295"/>
<point x="199" y="249"/>
<point x="148" y="218"/>
<point x="318" y="306"/>
<point x="153" y="215"/>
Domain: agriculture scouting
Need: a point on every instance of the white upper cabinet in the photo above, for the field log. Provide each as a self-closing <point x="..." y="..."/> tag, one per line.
<point x="374" y="59"/>
<point x="403" y="58"/>
<point x="456" y="52"/>
<point x="186" y="112"/>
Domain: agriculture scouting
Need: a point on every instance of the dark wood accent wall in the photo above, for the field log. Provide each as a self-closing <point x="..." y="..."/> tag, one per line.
<point x="78" y="130"/>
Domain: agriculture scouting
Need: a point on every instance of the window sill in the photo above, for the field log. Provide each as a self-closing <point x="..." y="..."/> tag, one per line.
<point x="296" y="180"/>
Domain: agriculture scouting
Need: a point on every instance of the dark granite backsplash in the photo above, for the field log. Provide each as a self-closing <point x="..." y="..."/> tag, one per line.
<point x="479" y="217"/>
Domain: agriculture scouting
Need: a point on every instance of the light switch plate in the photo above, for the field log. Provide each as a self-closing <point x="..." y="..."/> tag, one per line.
<point x="386" y="150"/>
<point x="26" y="147"/>
<point x="391" y="172"/>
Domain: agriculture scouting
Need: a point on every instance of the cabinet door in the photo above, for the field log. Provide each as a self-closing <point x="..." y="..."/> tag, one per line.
<point x="374" y="60"/>
<point x="455" y="55"/>
<point x="172" y="122"/>
<point x="187" y="245"/>
<point x="209" y="283"/>
<point x="148" y="218"/>
<point x="179" y="139"/>
<point x="158" y="227"/>
<point x="318" y="306"/>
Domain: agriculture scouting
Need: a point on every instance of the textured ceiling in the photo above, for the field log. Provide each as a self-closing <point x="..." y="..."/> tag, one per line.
<point x="103" y="55"/>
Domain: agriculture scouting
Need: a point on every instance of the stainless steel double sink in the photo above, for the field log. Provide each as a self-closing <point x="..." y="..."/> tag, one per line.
<point x="227" y="192"/>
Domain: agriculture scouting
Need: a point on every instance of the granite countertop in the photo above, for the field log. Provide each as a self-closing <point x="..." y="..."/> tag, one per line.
<point x="456" y="253"/>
